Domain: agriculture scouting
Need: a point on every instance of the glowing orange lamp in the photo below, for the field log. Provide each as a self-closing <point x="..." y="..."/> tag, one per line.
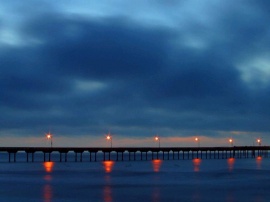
<point x="157" y="139"/>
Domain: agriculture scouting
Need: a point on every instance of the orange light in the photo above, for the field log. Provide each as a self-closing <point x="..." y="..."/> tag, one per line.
<point x="196" y="164"/>
<point x="156" y="138"/>
<point x="196" y="139"/>
<point x="258" y="140"/>
<point x="47" y="193"/>
<point x="108" y="165"/>
<point x="48" y="166"/>
<point x="107" y="193"/>
<point x="230" y="140"/>
<point x="230" y="162"/>
<point x="156" y="165"/>
<point x="259" y="162"/>
<point x="49" y="135"/>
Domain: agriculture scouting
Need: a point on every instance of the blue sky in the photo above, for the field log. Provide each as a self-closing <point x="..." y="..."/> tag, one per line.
<point x="135" y="68"/>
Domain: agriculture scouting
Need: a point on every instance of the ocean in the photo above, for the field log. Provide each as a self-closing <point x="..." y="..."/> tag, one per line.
<point x="199" y="180"/>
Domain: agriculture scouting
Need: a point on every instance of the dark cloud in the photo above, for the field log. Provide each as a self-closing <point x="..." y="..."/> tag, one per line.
<point x="104" y="49"/>
<point x="79" y="74"/>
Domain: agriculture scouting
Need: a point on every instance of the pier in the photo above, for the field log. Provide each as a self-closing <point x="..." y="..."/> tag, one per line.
<point x="132" y="153"/>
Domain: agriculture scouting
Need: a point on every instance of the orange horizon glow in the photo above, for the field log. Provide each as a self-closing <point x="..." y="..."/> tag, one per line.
<point x="126" y="141"/>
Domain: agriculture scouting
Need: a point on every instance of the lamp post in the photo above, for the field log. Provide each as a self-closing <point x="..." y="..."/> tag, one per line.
<point x="49" y="137"/>
<point x="198" y="141"/>
<point x="259" y="141"/>
<point x="231" y="141"/>
<point x="157" y="139"/>
<point x="109" y="138"/>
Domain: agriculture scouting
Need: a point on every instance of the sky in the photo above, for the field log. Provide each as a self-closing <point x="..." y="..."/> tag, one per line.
<point x="178" y="69"/>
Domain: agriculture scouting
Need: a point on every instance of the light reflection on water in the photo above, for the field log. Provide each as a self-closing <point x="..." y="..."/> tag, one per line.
<point x="47" y="193"/>
<point x="108" y="166"/>
<point x="107" y="193"/>
<point x="156" y="174"/>
<point x="107" y="189"/>
<point x="230" y="162"/>
<point x="156" y="192"/>
<point x="48" y="166"/>
<point x="47" y="189"/>
<point x="156" y="165"/>
<point x="196" y="164"/>
<point x="259" y="162"/>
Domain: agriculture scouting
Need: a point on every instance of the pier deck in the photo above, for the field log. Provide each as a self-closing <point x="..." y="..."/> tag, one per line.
<point x="138" y="153"/>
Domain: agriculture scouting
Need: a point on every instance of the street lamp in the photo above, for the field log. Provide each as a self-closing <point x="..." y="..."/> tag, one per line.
<point x="231" y="141"/>
<point x="49" y="137"/>
<point x="259" y="141"/>
<point x="198" y="141"/>
<point x="109" y="138"/>
<point x="157" y="139"/>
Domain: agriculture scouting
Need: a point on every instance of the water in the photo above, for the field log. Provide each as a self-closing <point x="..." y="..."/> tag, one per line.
<point x="158" y="180"/>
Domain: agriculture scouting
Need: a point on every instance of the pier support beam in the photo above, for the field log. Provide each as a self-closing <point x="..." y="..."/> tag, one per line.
<point x="14" y="156"/>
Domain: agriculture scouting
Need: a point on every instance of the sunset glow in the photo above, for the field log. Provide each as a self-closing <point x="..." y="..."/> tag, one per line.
<point x="124" y="88"/>
<point x="135" y="101"/>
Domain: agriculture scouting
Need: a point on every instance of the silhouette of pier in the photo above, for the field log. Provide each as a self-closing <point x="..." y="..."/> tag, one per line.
<point x="134" y="153"/>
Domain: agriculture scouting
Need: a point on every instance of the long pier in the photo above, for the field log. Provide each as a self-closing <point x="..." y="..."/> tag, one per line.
<point x="135" y="153"/>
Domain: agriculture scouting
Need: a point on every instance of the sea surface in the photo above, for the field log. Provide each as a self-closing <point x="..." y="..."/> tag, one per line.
<point x="199" y="180"/>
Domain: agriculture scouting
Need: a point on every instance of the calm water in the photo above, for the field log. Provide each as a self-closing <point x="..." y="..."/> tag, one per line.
<point x="169" y="180"/>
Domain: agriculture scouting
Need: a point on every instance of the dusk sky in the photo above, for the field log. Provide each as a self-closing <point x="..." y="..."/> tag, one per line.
<point x="176" y="68"/>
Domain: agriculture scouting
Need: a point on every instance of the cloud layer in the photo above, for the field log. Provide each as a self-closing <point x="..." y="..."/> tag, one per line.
<point x="192" y="69"/>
